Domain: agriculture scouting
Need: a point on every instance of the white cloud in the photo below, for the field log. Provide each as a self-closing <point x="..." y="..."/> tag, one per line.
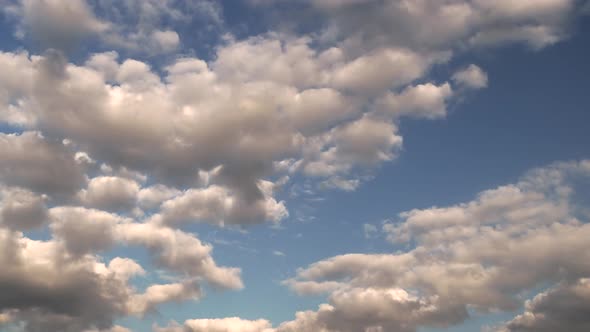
<point x="165" y="41"/>
<point x="84" y="230"/>
<point x="219" y="206"/>
<point x="46" y="289"/>
<point x="21" y="209"/>
<point x="158" y="294"/>
<point x="110" y="193"/>
<point x="420" y="101"/>
<point x="377" y="72"/>
<point x="139" y="26"/>
<point x="564" y="307"/>
<point x="212" y="142"/>
<point x="457" y="23"/>
<point x="479" y="255"/>
<point x="471" y="77"/>
<point x="32" y="161"/>
<point x="152" y="197"/>
<point x="231" y="324"/>
<point x="179" y="252"/>
<point x="58" y="23"/>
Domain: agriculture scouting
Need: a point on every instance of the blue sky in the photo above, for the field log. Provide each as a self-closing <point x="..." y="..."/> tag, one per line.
<point x="311" y="165"/>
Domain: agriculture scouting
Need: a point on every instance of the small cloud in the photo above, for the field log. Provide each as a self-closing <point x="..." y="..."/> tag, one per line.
<point x="369" y="230"/>
<point x="278" y="253"/>
<point x="471" y="77"/>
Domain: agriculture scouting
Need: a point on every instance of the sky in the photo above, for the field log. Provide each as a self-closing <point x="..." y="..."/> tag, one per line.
<point x="294" y="165"/>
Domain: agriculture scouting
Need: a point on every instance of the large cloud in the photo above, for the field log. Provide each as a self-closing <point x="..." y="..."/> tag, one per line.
<point x="139" y="26"/>
<point x="479" y="255"/>
<point x="114" y="152"/>
<point x="233" y="324"/>
<point x="62" y="285"/>
<point x="563" y="308"/>
<point x="369" y="24"/>
<point x="87" y="230"/>
<point x="22" y="209"/>
<point x="331" y="110"/>
<point x="31" y="161"/>
<point x="47" y="289"/>
<point x="222" y="130"/>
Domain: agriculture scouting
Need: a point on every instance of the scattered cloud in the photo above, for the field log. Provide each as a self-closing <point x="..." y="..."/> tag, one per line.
<point x="129" y="144"/>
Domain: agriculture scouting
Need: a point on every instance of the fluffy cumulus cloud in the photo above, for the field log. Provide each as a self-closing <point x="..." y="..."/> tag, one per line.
<point x="21" y="209"/>
<point x="468" y="23"/>
<point x="480" y="255"/>
<point x="105" y="150"/>
<point x="564" y="307"/>
<point x="233" y="324"/>
<point x="136" y="26"/>
<point x="47" y="289"/>
<point x="61" y="285"/>
<point x="110" y="193"/>
<point x="477" y="255"/>
<point x="471" y="77"/>
<point x="31" y="161"/>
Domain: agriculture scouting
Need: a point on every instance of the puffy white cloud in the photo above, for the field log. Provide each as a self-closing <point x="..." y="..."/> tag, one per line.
<point x="32" y="161"/>
<point x="452" y="23"/>
<point x="165" y="41"/>
<point x="197" y="141"/>
<point x="85" y="231"/>
<point x="316" y="110"/>
<point x="564" y="307"/>
<point x="384" y="69"/>
<point x="471" y="77"/>
<point x="237" y="105"/>
<point x="152" y="197"/>
<point x="22" y="209"/>
<point x="158" y="294"/>
<point x="231" y="324"/>
<point x="179" y="252"/>
<point x="219" y="206"/>
<point x="421" y="101"/>
<point x="56" y="23"/>
<point x="270" y="86"/>
<point x="116" y="328"/>
<point x="110" y="193"/>
<point x="480" y="255"/>
<point x="46" y="289"/>
<point x="148" y="25"/>
<point x="62" y="285"/>
<point x="364" y="142"/>
<point x="290" y="62"/>
<point x="17" y="71"/>
<point x="140" y="26"/>
<point x="368" y="309"/>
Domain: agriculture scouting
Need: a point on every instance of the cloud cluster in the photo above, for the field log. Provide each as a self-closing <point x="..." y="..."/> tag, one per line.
<point x="220" y="127"/>
<point x="565" y="307"/>
<point x="232" y="324"/>
<point x="48" y="289"/>
<point x="481" y="255"/>
<point x="109" y="151"/>
<point x="123" y="114"/>
<point x="138" y="26"/>
<point x="62" y="285"/>
<point x="463" y="23"/>
<point x="477" y="255"/>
